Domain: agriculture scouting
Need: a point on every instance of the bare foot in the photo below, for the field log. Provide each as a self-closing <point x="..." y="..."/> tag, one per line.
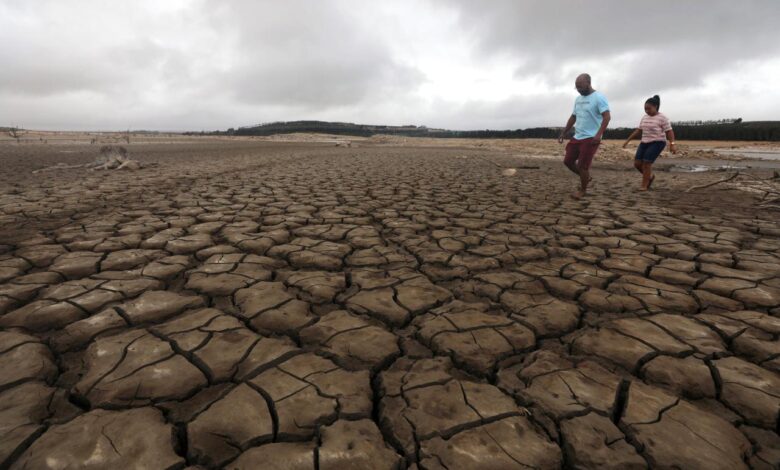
<point x="652" y="178"/>
<point x="578" y="195"/>
<point x="643" y="189"/>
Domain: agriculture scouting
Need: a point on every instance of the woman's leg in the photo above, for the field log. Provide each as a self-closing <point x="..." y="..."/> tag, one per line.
<point x="653" y="152"/>
<point x="647" y="174"/>
<point x="640" y="152"/>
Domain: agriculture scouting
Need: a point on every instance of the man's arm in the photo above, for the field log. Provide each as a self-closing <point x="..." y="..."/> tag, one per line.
<point x="569" y="125"/>
<point x="604" y="123"/>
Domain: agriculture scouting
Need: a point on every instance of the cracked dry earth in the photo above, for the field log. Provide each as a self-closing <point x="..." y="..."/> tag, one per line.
<point x="284" y="306"/>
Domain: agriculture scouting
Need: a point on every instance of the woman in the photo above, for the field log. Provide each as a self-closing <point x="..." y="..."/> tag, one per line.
<point x="656" y="130"/>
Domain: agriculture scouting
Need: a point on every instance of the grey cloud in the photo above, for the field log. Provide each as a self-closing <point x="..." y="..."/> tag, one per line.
<point x="599" y="27"/>
<point x="212" y="64"/>
<point x="514" y="112"/>
<point x="311" y="54"/>
<point x="678" y="42"/>
<point x="50" y="55"/>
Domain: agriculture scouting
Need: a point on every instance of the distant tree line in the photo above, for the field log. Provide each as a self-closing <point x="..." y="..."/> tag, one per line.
<point x="737" y="129"/>
<point x="708" y="123"/>
<point x="723" y="129"/>
<point x="338" y="128"/>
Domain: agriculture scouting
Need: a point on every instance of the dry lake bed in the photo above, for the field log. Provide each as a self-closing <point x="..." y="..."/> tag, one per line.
<point x="378" y="304"/>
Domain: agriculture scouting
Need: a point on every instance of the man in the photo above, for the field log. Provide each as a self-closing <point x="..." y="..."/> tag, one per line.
<point x="590" y="118"/>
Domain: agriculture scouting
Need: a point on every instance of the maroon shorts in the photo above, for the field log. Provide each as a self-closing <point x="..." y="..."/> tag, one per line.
<point x="581" y="152"/>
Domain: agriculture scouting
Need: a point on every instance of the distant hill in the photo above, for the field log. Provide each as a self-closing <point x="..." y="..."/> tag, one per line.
<point x="725" y="129"/>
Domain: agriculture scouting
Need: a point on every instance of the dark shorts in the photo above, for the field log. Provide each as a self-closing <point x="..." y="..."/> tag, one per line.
<point x="649" y="151"/>
<point x="581" y="152"/>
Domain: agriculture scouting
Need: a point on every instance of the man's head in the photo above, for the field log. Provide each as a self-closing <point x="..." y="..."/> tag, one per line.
<point x="582" y="84"/>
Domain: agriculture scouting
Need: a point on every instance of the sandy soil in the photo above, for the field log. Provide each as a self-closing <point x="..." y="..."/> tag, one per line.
<point x="381" y="305"/>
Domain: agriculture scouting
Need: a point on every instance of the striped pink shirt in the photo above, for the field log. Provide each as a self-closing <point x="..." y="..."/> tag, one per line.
<point x="654" y="127"/>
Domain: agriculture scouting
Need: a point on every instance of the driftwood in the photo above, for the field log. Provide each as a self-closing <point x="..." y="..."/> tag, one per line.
<point x="110" y="158"/>
<point x="767" y="190"/>
<point x="507" y="169"/>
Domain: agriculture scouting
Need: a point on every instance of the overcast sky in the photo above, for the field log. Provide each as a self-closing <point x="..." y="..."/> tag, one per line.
<point x="502" y="64"/>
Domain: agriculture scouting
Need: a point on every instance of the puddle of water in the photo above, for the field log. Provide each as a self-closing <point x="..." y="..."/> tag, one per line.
<point x="703" y="168"/>
<point x="753" y="154"/>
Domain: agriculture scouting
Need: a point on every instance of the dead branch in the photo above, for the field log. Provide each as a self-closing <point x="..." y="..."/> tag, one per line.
<point x="724" y="180"/>
<point x="14" y="132"/>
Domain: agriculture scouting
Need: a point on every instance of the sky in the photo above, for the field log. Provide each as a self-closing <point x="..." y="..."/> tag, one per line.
<point x="459" y="64"/>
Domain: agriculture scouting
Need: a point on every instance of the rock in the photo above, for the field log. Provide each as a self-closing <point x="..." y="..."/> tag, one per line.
<point x="548" y="316"/>
<point x="612" y="345"/>
<point x="381" y="304"/>
<point x="134" y="369"/>
<point x="22" y="411"/>
<point x="354" y="341"/>
<point x="136" y="438"/>
<point x="78" y="334"/>
<point x="685" y="376"/>
<point x="189" y="244"/>
<point x="418" y="294"/>
<point x="23" y="358"/>
<point x="473" y="338"/>
<point x="307" y="390"/>
<point x="270" y="308"/>
<point x="156" y="306"/>
<point x="77" y="264"/>
<point x="508" y="443"/>
<point x="751" y="390"/>
<point x="221" y="345"/>
<point x="42" y="315"/>
<point x="230" y="425"/>
<point x="593" y="442"/>
<point x="421" y="400"/>
<point x="276" y="456"/>
<point x="766" y="445"/>
<point x="656" y="421"/>
<point x="355" y="445"/>
<point x="559" y="387"/>
<point x="317" y="286"/>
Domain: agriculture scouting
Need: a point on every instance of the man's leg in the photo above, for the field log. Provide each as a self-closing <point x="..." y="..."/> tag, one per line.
<point x="638" y="164"/>
<point x="587" y="153"/>
<point x="584" y="179"/>
<point x="572" y="154"/>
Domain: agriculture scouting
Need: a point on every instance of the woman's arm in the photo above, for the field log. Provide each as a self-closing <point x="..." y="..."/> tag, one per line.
<point x="633" y="135"/>
<point x="670" y="138"/>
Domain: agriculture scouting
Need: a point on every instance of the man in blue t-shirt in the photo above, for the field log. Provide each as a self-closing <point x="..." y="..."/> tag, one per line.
<point x="589" y="118"/>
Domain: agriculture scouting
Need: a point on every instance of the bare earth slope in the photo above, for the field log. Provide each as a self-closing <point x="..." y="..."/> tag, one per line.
<point x="255" y="304"/>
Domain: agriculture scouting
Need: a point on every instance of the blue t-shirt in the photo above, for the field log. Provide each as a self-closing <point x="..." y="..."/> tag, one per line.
<point x="588" y="111"/>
